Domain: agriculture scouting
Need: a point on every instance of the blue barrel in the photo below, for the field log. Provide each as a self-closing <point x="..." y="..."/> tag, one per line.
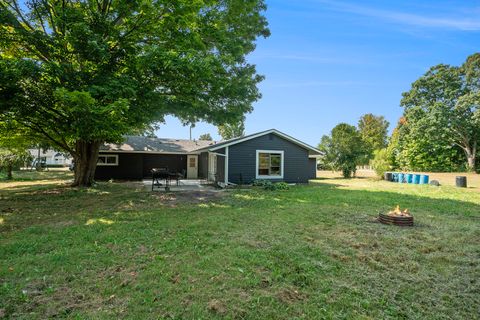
<point x="424" y="179"/>
<point x="416" y="178"/>
<point x="395" y="177"/>
<point x="401" y="178"/>
<point x="409" y="178"/>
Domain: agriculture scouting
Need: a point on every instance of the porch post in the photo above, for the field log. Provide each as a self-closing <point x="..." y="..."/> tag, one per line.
<point x="226" y="165"/>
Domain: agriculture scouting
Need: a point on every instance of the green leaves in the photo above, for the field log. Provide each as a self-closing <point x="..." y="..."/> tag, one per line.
<point x="343" y="149"/>
<point x="441" y="112"/>
<point x="108" y="68"/>
<point x="232" y="130"/>
<point x="373" y="130"/>
<point x="93" y="120"/>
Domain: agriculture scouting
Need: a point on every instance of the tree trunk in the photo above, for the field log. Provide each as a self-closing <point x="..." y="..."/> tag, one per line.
<point x="9" y="172"/>
<point x="471" y="158"/>
<point x="471" y="152"/>
<point x="86" y="156"/>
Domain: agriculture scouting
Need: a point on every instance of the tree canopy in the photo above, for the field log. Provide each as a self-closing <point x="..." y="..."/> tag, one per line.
<point x="374" y="132"/>
<point x="442" y="112"/>
<point x="13" y="148"/>
<point x="343" y="149"/>
<point x="205" y="136"/>
<point x="80" y="73"/>
<point x="232" y="130"/>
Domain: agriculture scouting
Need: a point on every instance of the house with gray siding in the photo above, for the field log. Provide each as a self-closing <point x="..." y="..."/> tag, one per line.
<point x="269" y="154"/>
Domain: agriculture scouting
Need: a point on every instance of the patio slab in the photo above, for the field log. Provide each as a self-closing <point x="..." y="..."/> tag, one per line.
<point x="183" y="185"/>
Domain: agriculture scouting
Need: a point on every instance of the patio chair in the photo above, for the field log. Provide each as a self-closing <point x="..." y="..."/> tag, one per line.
<point x="180" y="175"/>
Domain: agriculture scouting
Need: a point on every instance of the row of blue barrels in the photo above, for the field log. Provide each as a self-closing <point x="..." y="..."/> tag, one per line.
<point x="401" y="177"/>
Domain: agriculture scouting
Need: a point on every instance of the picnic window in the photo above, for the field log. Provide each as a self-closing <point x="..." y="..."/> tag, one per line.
<point x="107" y="160"/>
<point x="269" y="164"/>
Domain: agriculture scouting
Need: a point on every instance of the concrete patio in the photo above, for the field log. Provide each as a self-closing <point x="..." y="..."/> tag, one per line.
<point x="183" y="185"/>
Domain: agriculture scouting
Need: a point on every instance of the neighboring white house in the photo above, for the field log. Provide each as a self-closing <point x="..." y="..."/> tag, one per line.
<point x="51" y="157"/>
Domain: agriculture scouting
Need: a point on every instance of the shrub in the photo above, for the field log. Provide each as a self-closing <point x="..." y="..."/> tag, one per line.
<point x="268" y="185"/>
<point x="281" y="186"/>
<point x="381" y="162"/>
<point x="260" y="183"/>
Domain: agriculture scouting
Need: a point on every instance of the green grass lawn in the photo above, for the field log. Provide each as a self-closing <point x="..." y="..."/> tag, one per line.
<point x="316" y="251"/>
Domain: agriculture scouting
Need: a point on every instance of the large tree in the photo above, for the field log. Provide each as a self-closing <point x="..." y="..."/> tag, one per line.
<point x="343" y="149"/>
<point x="83" y="72"/>
<point x="374" y="132"/>
<point x="445" y="104"/>
<point x="418" y="145"/>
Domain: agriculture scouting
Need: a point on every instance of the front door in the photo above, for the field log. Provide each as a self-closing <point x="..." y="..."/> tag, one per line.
<point x="192" y="167"/>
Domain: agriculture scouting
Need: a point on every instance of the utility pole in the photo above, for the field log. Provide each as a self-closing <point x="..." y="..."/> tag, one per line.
<point x="192" y="125"/>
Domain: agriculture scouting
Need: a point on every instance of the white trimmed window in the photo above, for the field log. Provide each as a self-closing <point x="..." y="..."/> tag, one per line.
<point x="269" y="164"/>
<point x="107" y="160"/>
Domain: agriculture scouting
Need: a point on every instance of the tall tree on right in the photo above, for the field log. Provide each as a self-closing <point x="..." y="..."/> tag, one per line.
<point x="373" y="130"/>
<point x="446" y="100"/>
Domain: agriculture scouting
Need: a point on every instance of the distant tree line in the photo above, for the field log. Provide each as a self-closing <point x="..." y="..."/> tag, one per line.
<point x="439" y="129"/>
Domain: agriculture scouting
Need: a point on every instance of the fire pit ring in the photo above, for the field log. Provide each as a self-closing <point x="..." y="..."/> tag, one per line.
<point x="406" y="221"/>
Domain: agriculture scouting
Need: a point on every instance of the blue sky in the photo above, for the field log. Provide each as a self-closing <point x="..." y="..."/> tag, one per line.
<point x="332" y="61"/>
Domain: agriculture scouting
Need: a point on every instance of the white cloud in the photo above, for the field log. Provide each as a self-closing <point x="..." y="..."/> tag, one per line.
<point x="459" y="22"/>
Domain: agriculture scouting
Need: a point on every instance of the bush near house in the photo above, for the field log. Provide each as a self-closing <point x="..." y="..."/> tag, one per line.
<point x="269" y="185"/>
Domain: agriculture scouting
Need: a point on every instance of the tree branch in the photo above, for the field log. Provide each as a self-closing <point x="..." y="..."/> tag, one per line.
<point x="36" y="127"/>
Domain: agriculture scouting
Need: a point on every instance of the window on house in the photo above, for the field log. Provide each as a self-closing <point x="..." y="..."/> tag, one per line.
<point x="107" y="160"/>
<point x="192" y="162"/>
<point x="269" y="164"/>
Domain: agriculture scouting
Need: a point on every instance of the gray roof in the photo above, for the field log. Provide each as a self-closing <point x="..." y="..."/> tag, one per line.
<point x="160" y="145"/>
<point x="221" y="144"/>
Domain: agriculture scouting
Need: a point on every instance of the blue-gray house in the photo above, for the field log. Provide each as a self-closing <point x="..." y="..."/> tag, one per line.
<point x="269" y="154"/>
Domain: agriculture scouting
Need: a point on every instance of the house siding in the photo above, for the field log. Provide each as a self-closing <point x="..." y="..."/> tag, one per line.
<point x="174" y="163"/>
<point x="136" y="166"/>
<point x="130" y="167"/>
<point x="242" y="159"/>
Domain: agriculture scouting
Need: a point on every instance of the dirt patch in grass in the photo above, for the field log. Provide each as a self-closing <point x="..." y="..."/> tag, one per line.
<point x="290" y="295"/>
<point x="217" y="306"/>
<point x="190" y="197"/>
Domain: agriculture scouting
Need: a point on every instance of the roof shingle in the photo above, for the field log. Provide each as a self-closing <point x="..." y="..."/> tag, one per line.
<point x="147" y="144"/>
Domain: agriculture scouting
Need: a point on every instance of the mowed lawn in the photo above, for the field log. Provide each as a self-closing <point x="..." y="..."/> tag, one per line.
<point x="312" y="252"/>
<point x="445" y="178"/>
